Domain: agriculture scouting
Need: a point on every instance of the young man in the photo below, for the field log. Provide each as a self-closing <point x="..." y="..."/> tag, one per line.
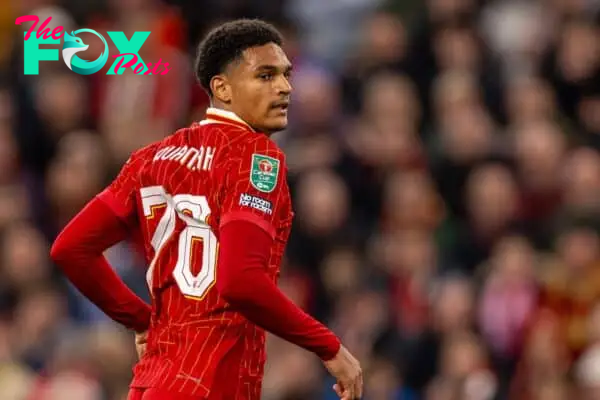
<point x="214" y="209"/>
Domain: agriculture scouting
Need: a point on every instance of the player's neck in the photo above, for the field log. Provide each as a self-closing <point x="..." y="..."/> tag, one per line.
<point x="224" y="115"/>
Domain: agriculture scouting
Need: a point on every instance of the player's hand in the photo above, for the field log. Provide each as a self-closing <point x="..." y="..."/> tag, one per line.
<point x="346" y="369"/>
<point x="141" y="339"/>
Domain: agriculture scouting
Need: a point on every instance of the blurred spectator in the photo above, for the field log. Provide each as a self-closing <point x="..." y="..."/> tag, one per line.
<point x="463" y="360"/>
<point x="587" y="366"/>
<point x="571" y="283"/>
<point x="539" y="150"/>
<point x="411" y="201"/>
<point x="325" y="216"/>
<point x="382" y="47"/>
<point x="530" y="99"/>
<point x="463" y="135"/>
<point x="545" y="361"/>
<point x="581" y="183"/>
<point x="492" y="206"/>
<point x="328" y="26"/>
<point x="573" y="63"/>
<point x="509" y="296"/>
<point x="410" y="260"/>
<point x="588" y="112"/>
<point x="76" y="174"/>
<point x="9" y="169"/>
<point x="451" y="314"/>
<point x="62" y="103"/>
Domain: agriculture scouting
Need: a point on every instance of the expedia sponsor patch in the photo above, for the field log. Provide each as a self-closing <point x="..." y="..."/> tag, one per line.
<point x="257" y="203"/>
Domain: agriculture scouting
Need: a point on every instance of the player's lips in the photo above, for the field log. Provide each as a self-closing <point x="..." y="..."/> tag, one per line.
<point x="281" y="107"/>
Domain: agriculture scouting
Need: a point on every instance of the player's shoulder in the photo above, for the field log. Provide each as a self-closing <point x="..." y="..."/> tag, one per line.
<point x="140" y="156"/>
<point x="248" y="143"/>
<point x="149" y="151"/>
<point x="234" y="143"/>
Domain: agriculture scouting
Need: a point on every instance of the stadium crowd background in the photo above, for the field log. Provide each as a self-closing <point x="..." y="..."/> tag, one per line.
<point x="445" y="171"/>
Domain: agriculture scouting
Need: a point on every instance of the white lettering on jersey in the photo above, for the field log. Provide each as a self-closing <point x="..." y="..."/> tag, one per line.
<point x="257" y="203"/>
<point x="193" y="158"/>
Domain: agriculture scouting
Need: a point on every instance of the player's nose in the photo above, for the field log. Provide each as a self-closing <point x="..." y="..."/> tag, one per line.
<point x="284" y="86"/>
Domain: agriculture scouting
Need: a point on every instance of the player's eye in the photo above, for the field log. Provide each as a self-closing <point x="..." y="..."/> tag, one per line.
<point x="287" y="74"/>
<point x="266" y="76"/>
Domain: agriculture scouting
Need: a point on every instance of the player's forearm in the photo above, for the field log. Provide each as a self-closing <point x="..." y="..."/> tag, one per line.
<point x="261" y="302"/>
<point x="244" y="283"/>
<point x="78" y="251"/>
<point x="118" y="302"/>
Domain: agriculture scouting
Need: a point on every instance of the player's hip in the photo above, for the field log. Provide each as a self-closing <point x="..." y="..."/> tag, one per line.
<point x="159" y="394"/>
<point x="183" y="386"/>
<point x="203" y="371"/>
<point x="191" y="343"/>
<point x="247" y="392"/>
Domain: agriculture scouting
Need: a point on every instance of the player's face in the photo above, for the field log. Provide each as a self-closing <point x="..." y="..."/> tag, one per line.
<point x="261" y="89"/>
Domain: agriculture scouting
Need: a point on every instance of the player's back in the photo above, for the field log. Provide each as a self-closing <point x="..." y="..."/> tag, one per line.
<point x="188" y="183"/>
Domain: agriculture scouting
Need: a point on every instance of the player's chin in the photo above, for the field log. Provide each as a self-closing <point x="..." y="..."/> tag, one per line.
<point x="276" y="123"/>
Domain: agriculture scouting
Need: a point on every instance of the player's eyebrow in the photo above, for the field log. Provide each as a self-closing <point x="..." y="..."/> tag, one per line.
<point x="273" y="68"/>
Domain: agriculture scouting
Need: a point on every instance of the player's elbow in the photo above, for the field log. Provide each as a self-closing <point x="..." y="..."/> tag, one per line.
<point x="64" y="247"/>
<point x="59" y="252"/>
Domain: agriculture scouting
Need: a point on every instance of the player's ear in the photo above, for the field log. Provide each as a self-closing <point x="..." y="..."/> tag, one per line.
<point x="220" y="88"/>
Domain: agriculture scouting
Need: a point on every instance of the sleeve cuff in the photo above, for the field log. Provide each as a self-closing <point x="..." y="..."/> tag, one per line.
<point x="250" y="217"/>
<point x="331" y="351"/>
<point x="143" y="322"/>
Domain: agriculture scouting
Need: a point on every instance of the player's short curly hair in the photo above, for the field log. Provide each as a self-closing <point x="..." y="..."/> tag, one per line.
<point x="226" y="43"/>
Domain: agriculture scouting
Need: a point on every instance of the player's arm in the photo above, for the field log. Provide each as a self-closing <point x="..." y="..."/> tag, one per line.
<point x="78" y="251"/>
<point x="244" y="283"/>
<point x="246" y="235"/>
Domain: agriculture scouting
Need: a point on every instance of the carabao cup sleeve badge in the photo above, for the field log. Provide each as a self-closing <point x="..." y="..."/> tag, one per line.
<point x="264" y="171"/>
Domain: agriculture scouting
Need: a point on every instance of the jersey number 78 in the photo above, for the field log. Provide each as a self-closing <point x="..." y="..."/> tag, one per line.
<point x="196" y="230"/>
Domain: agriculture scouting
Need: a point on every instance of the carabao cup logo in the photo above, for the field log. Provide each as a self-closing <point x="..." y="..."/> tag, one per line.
<point x="73" y="45"/>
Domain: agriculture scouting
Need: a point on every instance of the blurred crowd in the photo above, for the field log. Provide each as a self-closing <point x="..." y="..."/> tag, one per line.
<point x="444" y="161"/>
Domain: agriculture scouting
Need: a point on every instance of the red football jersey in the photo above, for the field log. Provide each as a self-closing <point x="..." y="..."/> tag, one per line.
<point x="180" y="190"/>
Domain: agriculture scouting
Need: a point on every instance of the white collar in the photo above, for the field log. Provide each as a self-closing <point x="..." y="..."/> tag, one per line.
<point x="220" y="116"/>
